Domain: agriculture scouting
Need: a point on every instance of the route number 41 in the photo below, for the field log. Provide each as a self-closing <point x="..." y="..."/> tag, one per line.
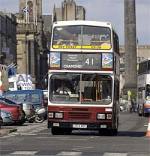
<point x="89" y="61"/>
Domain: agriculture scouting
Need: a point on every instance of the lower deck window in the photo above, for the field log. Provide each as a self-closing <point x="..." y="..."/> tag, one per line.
<point x="83" y="88"/>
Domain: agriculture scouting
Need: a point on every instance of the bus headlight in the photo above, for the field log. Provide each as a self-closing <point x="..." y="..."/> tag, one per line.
<point x="58" y="115"/>
<point x="109" y="116"/>
<point x="51" y="115"/>
<point x="100" y="116"/>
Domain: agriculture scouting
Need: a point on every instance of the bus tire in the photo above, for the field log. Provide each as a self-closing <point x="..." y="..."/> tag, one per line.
<point x="145" y="114"/>
<point x="67" y="131"/>
<point x="56" y="131"/>
<point x="102" y="132"/>
<point x="108" y="132"/>
<point x="114" y="132"/>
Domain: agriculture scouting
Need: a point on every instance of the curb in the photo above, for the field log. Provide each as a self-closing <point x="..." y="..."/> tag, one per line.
<point x="6" y="131"/>
<point x="148" y="129"/>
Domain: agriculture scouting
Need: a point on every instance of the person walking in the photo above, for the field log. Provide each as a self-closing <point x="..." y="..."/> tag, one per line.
<point x="133" y="105"/>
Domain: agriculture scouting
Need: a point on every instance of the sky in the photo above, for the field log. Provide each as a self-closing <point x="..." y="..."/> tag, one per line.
<point x="101" y="10"/>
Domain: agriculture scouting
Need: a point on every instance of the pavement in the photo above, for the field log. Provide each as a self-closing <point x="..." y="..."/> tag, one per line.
<point x="4" y="130"/>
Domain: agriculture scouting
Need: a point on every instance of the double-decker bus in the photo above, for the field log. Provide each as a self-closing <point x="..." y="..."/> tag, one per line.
<point x="143" y="86"/>
<point x="83" y="77"/>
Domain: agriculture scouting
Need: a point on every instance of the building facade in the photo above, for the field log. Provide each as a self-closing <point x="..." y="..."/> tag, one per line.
<point x="8" y="38"/>
<point x="31" y="45"/>
<point x="143" y="52"/>
<point x="30" y="10"/>
<point x="69" y="11"/>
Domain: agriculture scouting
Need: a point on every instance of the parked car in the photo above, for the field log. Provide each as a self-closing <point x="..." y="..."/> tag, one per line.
<point x="10" y="102"/>
<point x="16" y="110"/>
<point x="34" y="97"/>
<point x="31" y="100"/>
<point x="6" y="117"/>
<point x="28" y="109"/>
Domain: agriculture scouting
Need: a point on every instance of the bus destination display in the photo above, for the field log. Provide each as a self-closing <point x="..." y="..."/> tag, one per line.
<point x="81" y="61"/>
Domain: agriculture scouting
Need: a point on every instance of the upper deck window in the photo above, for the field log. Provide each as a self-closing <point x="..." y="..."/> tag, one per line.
<point x="82" y="37"/>
<point x="144" y="67"/>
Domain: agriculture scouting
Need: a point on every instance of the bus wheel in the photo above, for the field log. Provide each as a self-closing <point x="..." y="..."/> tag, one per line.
<point x="145" y="114"/>
<point x="57" y="131"/>
<point x="114" y="132"/>
<point x="67" y="131"/>
<point x="108" y="132"/>
<point x="104" y="132"/>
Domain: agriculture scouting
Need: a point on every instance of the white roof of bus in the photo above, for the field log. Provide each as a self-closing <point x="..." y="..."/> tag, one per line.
<point x="147" y="59"/>
<point x="82" y="22"/>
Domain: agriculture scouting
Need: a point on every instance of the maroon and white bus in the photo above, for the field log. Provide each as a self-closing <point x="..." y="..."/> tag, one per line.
<point x="83" y="77"/>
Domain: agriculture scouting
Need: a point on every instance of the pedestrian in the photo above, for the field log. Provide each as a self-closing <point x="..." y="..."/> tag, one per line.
<point x="129" y="106"/>
<point x="133" y="105"/>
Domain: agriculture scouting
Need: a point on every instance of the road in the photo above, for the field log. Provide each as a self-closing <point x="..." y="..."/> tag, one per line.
<point x="36" y="139"/>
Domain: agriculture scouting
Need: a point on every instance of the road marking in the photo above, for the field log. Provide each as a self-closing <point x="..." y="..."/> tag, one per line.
<point x="70" y="153"/>
<point x="24" y="152"/>
<point x="73" y="139"/>
<point x="115" y="154"/>
<point x="27" y="134"/>
<point x="81" y="148"/>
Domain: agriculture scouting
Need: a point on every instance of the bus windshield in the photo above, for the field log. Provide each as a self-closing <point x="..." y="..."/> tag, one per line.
<point x="81" y="88"/>
<point x="82" y="37"/>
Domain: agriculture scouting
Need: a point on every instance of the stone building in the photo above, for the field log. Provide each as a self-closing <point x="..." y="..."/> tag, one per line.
<point x="69" y="11"/>
<point x="31" y="45"/>
<point x="7" y="38"/>
<point x="143" y="52"/>
<point x="30" y="10"/>
<point x="47" y="28"/>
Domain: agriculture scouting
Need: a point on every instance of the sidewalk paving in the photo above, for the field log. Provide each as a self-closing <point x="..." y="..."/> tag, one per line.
<point x="5" y="131"/>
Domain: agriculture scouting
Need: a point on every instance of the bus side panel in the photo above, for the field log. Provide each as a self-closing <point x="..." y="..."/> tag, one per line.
<point x="147" y="108"/>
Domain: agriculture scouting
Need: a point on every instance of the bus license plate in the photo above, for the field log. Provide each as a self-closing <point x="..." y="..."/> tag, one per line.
<point x="79" y="126"/>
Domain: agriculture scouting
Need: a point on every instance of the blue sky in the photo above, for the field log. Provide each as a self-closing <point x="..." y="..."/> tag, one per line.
<point x="101" y="10"/>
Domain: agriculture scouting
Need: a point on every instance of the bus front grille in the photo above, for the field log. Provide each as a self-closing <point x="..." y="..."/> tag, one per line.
<point x="79" y="115"/>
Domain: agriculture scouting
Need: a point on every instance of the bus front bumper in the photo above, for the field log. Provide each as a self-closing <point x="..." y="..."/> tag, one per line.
<point x="87" y="126"/>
